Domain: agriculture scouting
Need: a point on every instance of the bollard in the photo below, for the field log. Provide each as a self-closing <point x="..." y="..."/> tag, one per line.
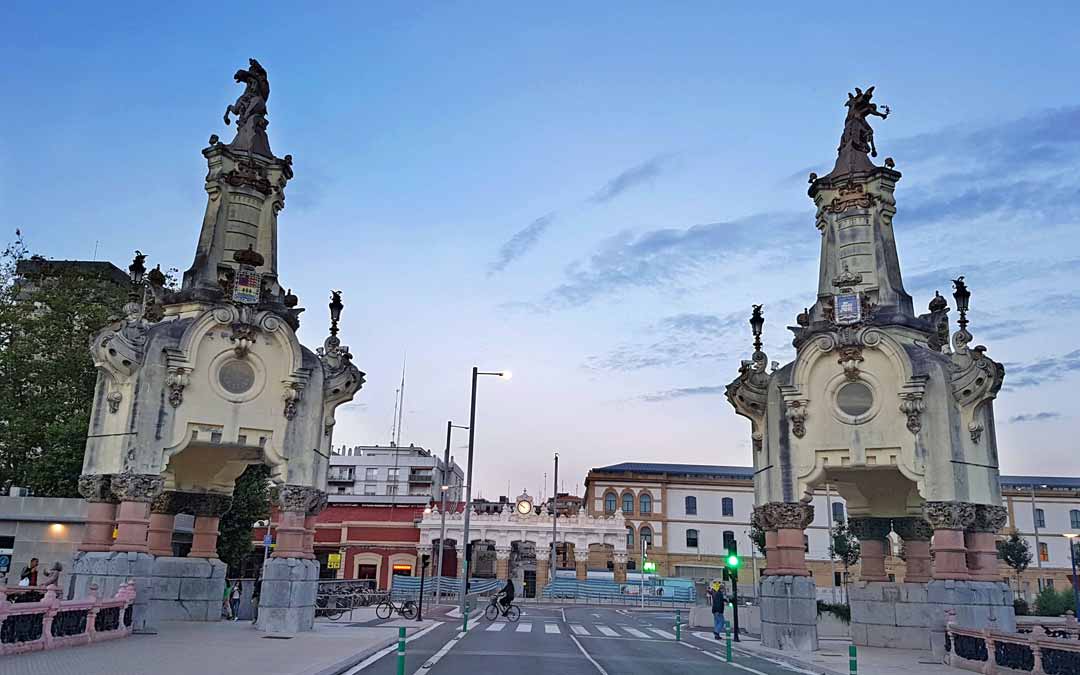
<point x="465" y="618"/>
<point x="853" y="661"/>
<point x="678" y="625"/>
<point x="401" y="651"/>
<point x="727" y="638"/>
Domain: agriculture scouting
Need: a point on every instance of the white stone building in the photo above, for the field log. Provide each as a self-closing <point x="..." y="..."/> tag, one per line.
<point x="374" y="474"/>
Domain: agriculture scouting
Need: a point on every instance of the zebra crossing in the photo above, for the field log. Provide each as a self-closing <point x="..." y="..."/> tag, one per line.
<point x="581" y="630"/>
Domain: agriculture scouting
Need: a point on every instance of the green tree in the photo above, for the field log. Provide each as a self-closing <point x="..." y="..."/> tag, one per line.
<point x="757" y="535"/>
<point x="845" y="547"/>
<point x="251" y="502"/>
<point x="47" y="377"/>
<point x="1017" y="554"/>
<point x="1053" y="603"/>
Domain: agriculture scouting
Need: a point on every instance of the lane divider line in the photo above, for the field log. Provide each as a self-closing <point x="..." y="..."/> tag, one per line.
<point x="591" y="659"/>
<point x="383" y="652"/>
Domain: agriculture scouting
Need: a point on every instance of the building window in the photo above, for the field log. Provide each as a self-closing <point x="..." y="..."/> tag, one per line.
<point x="691" y="506"/>
<point x="1074" y="516"/>
<point x="341" y="490"/>
<point x="628" y="503"/>
<point x="729" y="539"/>
<point x="391" y="488"/>
<point x="806" y="543"/>
<point x="837" y="579"/>
<point x="1044" y="552"/>
<point x="646" y="535"/>
<point x="369" y="489"/>
<point x="609" y="503"/>
<point x="1040" y="518"/>
<point x="644" y="504"/>
<point x="630" y="537"/>
<point x="838" y="512"/>
<point x="372" y="475"/>
<point x="691" y="539"/>
<point x="727" y="506"/>
<point x="393" y="475"/>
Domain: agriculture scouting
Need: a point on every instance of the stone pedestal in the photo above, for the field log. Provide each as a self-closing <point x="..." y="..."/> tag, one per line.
<point x="789" y="613"/>
<point x="108" y="570"/>
<point x="287" y="601"/>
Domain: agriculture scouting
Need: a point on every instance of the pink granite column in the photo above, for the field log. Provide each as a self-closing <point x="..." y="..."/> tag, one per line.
<point x="784" y="525"/>
<point x="135" y="492"/>
<point x="949" y="520"/>
<point x="981" y="542"/>
<point x="916" y="534"/>
<point x="100" y="512"/>
<point x="162" y="522"/>
<point x="873" y="535"/>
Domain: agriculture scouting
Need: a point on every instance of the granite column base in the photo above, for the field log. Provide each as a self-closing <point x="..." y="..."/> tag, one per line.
<point x="287" y="597"/>
<point x="789" y="613"/>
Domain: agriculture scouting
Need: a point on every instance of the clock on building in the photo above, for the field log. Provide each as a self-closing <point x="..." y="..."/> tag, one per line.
<point x="524" y="504"/>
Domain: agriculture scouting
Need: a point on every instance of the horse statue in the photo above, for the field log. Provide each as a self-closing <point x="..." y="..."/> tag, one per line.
<point x="256" y="92"/>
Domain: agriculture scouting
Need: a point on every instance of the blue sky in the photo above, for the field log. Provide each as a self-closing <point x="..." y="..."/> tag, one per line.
<point x="589" y="196"/>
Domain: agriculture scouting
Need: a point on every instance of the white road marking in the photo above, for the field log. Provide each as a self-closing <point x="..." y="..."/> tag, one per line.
<point x="635" y="632"/>
<point x="721" y="658"/>
<point x="524" y="628"/>
<point x="552" y="628"/>
<point x="591" y="659"/>
<point x="430" y="663"/>
<point x="495" y="627"/>
<point x="663" y="633"/>
<point x="386" y="650"/>
<point x="605" y="630"/>
<point x="580" y="630"/>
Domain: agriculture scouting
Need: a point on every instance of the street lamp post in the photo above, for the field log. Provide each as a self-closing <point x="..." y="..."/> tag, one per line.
<point x="1071" y="536"/>
<point x="554" y="522"/>
<point x="468" y="482"/>
<point x="444" y="487"/>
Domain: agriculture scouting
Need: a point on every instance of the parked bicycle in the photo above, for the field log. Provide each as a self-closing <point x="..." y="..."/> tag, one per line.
<point x="494" y="609"/>
<point x="387" y="607"/>
<point x="333" y="606"/>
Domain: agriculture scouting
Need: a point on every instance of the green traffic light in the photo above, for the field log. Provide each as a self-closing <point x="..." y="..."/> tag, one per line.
<point x="733" y="561"/>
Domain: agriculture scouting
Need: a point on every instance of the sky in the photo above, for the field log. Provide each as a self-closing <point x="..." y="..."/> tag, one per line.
<point x="588" y="194"/>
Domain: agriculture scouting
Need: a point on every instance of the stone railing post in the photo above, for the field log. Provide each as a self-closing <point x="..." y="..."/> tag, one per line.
<point x="873" y="535"/>
<point x="949" y="520"/>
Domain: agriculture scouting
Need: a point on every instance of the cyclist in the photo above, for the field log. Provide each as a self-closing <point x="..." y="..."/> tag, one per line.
<point x="506" y="595"/>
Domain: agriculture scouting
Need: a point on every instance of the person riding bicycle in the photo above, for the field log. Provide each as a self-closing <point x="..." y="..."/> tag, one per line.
<point x="506" y="595"/>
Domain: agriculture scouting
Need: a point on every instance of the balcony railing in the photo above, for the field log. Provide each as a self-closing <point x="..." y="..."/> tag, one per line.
<point x="421" y="477"/>
<point x="50" y="622"/>
<point x="1051" y="650"/>
<point x="340" y="477"/>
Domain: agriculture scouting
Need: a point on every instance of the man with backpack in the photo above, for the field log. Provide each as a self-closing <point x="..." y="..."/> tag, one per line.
<point x="718" y="602"/>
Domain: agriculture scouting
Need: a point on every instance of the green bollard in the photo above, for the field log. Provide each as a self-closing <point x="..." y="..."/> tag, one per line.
<point x="465" y="618"/>
<point x="727" y="638"/>
<point x="678" y="625"/>
<point x="853" y="661"/>
<point x="401" y="651"/>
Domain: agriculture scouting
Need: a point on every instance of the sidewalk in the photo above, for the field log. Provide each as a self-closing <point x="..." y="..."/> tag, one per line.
<point x="832" y="659"/>
<point x="183" y="647"/>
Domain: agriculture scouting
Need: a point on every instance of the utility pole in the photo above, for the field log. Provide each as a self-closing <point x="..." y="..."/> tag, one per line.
<point x="832" y="558"/>
<point x="554" y="523"/>
<point x="1035" y="524"/>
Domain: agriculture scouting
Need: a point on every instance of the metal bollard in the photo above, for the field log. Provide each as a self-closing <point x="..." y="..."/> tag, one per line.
<point x="727" y="639"/>
<point x="678" y="625"/>
<point x="853" y="660"/>
<point x="401" y="651"/>
<point x="465" y="618"/>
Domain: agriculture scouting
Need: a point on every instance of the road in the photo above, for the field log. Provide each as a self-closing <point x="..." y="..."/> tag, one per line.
<point x="571" y="640"/>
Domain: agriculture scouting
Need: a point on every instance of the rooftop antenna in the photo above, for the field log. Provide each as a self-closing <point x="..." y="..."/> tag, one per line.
<point x="393" y="420"/>
<point x="401" y="406"/>
<point x="96" y="242"/>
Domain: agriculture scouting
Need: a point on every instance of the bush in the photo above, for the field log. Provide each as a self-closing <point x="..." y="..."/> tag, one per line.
<point x="839" y="610"/>
<point x="1053" y="603"/>
<point x="1021" y="607"/>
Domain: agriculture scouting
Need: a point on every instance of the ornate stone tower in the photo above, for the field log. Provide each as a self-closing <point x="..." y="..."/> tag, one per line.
<point x="878" y="405"/>
<point x="198" y="383"/>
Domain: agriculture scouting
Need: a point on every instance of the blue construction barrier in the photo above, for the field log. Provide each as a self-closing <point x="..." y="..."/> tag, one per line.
<point x="656" y="592"/>
<point x="409" y="587"/>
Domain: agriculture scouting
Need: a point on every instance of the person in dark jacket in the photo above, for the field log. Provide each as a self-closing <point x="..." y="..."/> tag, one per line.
<point x="718" y="602"/>
<point x="506" y="595"/>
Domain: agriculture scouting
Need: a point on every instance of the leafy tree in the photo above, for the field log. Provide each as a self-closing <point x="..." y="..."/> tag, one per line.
<point x="757" y="535"/>
<point x="1017" y="554"/>
<point x="1050" y="602"/>
<point x="47" y="377"/>
<point x="845" y="547"/>
<point x="251" y="502"/>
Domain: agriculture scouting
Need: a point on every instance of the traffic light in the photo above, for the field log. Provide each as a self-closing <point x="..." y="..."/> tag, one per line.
<point x="649" y="566"/>
<point x="731" y="560"/>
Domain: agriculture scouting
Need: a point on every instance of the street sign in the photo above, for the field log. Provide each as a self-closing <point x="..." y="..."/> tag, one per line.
<point x="333" y="561"/>
<point x="5" y="563"/>
<point x="267" y="540"/>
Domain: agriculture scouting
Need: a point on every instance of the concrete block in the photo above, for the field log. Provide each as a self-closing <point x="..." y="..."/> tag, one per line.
<point x="895" y="637"/>
<point x="286" y="619"/>
<point x="217" y="569"/>
<point x="789" y="638"/>
<point x="141" y="564"/>
<point x="198" y="589"/>
<point x="940" y="592"/>
<point x="913" y="593"/>
<point x="858" y="633"/>
<point x="166" y="588"/>
<point x="803" y="587"/>
<point x="802" y="612"/>
<point x="864" y="591"/>
<point x="168" y="566"/>
<point x="880" y="613"/>
<point x="278" y="568"/>
<point x="912" y="614"/>
<point x="303" y="593"/>
<point x="187" y="610"/>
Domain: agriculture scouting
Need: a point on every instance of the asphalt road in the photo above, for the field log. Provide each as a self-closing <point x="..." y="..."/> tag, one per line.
<point x="573" y="640"/>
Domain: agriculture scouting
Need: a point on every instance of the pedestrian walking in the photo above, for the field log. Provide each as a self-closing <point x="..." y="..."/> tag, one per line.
<point x="718" y="602"/>
<point x="255" y="593"/>
<point x="234" y="599"/>
<point x="226" y="606"/>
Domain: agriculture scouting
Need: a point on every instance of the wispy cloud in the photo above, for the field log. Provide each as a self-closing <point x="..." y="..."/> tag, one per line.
<point x="671" y="341"/>
<point x="1047" y="369"/>
<point x="683" y="392"/>
<point x="630" y="178"/>
<point x="519" y="244"/>
<point x="1035" y="417"/>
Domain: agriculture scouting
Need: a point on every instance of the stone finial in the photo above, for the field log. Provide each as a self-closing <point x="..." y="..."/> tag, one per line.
<point x="250" y="110"/>
<point x="857" y="139"/>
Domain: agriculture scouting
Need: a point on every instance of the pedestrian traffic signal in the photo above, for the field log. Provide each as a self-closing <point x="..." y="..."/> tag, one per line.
<point x="733" y="561"/>
<point x="649" y="566"/>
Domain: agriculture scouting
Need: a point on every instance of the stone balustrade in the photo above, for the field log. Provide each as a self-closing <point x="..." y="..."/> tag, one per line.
<point x="989" y="651"/>
<point x="50" y="622"/>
